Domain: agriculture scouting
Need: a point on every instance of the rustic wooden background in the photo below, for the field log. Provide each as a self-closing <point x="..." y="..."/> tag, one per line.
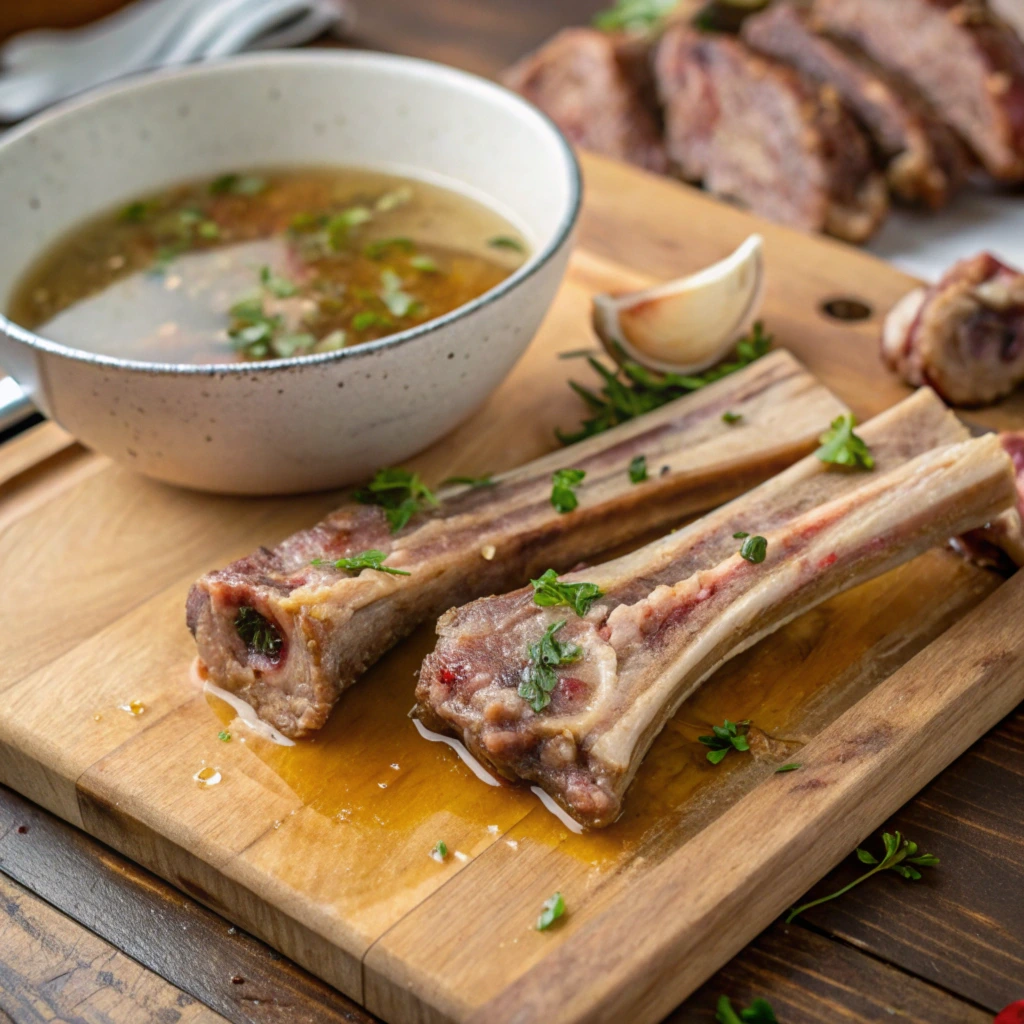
<point x="87" y="936"/>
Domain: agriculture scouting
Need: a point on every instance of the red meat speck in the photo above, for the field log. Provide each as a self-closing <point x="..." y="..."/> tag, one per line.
<point x="571" y="686"/>
<point x="828" y="560"/>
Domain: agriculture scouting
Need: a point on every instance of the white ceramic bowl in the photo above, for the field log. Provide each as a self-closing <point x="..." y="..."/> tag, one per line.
<point x="305" y="423"/>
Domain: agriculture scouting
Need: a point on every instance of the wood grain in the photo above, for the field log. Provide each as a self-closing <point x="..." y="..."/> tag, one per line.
<point x="322" y="849"/>
<point x="964" y="927"/>
<point x="156" y="925"/>
<point x="809" y="980"/>
<point x="53" y="969"/>
<point x="704" y="903"/>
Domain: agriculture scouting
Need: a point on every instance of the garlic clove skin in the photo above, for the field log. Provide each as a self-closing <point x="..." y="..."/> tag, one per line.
<point x="686" y="325"/>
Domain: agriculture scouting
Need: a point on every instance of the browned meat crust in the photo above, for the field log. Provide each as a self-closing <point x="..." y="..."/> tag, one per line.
<point x="330" y="626"/>
<point x="924" y="161"/>
<point x="964" y="336"/>
<point x="675" y="610"/>
<point x="596" y="86"/>
<point x="965" y="61"/>
<point x="755" y="131"/>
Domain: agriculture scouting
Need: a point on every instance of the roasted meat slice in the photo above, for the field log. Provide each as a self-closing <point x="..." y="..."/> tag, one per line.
<point x="596" y="86"/>
<point x="965" y="61"/>
<point x="924" y="160"/>
<point x="755" y="131"/>
<point x="674" y="610"/>
<point x="288" y="636"/>
<point x="964" y="336"/>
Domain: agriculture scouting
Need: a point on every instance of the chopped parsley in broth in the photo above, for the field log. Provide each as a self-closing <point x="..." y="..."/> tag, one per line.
<point x="266" y="265"/>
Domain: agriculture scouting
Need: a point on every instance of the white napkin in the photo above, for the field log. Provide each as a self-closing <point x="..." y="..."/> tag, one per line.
<point x="44" y="66"/>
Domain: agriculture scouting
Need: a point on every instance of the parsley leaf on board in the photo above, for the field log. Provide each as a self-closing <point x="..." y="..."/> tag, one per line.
<point x="538" y="677"/>
<point x="551" y="910"/>
<point x="759" y="1012"/>
<point x="563" y="488"/>
<point x="841" y="446"/>
<point x="728" y="736"/>
<point x="548" y="593"/>
<point x="901" y="855"/>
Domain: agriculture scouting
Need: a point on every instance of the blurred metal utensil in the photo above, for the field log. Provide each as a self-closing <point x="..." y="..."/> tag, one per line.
<point x="14" y="403"/>
<point x="45" y="66"/>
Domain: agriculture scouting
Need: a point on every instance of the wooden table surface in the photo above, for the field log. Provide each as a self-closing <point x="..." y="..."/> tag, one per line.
<point x="87" y="936"/>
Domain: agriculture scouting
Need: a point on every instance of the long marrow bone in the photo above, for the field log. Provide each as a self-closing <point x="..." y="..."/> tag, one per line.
<point x="677" y="609"/>
<point x="329" y="626"/>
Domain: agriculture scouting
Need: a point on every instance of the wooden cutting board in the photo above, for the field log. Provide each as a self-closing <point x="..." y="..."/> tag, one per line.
<point x="322" y="849"/>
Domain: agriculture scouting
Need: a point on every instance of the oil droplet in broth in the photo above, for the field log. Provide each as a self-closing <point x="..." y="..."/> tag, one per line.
<point x="207" y="776"/>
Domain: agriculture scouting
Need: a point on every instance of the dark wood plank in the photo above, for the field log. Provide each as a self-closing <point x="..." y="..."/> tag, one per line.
<point x="161" y="928"/>
<point x="962" y="926"/>
<point x="809" y="979"/>
<point x="53" y="969"/>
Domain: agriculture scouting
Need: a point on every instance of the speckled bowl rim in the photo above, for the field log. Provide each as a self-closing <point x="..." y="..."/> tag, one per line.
<point x="154" y="79"/>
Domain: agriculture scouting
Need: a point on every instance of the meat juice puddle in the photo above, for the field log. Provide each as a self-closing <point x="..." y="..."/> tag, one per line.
<point x="370" y="770"/>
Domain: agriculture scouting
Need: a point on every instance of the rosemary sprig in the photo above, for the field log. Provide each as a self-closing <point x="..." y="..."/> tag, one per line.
<point x="900" y="856"/>
<point x="630" y="390"/>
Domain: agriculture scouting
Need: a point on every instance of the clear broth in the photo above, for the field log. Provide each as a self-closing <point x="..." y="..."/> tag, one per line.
<point x="266" y="265"/>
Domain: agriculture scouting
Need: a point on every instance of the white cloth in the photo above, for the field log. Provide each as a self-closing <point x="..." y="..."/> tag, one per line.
<point x="44" y="66"/>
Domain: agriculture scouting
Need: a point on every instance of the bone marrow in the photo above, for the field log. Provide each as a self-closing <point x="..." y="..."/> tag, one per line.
<point x="332" y="623"/>
<point x="672" y="612"/>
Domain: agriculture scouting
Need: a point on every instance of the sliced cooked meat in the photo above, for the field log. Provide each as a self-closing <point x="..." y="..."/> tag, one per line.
<point x="966" y="62"/>
<point x="596" y="86"/>
<point x="924" y="160"/>
<point x="755" y="131"/>
<point x="288" y="636"/>
<point x="676" y="610"/>
<point x="964" y="336"/>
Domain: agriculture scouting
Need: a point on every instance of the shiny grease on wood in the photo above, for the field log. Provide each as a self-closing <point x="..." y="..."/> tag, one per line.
<point x="370" y="769"/>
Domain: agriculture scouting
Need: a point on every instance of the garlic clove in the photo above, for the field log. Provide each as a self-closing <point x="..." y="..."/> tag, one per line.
<point x="686" y="325"/>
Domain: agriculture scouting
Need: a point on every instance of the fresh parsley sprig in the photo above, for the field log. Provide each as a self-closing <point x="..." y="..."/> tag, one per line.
<point x="728" y="736"/>
<point x="630" y="390"/>
<point x="633" y="15"/>
<point x="759" y="1012"/>
<point x="372" y="559"/>
<point x="901" y="855"/>
<point x="546" y="654"/>
<point x="551" y="910"/>
<point x="754" y="549"/>
<point x="563" y="488"/>
<point x="400" y="493"/>
<point x="548" y="593"/>
<point x="841" y="446"/>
